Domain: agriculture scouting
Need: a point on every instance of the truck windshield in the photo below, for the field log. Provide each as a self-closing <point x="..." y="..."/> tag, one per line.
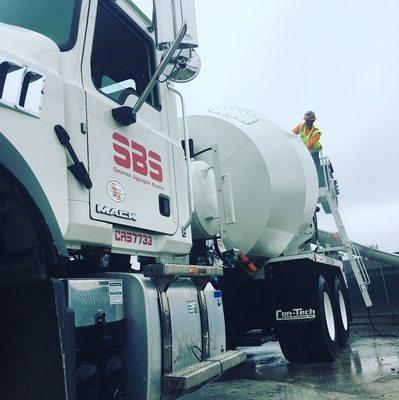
<point x="56" y="19"/>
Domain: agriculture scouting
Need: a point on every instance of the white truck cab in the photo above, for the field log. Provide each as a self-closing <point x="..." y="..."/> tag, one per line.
<point x="92" y="57"/>
<point x="92" y="170"/>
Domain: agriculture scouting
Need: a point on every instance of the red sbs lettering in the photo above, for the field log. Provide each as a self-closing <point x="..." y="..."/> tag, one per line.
<point x="132" y="155"/>
<point x="117" y="236"/>
<point x="123" y="157"/>
<point x="155" y="166"/>
<point x="139" y="159"/>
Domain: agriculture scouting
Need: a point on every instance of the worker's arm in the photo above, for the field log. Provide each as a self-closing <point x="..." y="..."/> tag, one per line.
<point x="313" y="141"/>
<point x="296" y="129"/>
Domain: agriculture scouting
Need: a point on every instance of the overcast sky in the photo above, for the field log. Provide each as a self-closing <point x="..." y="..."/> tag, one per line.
<point x="339" y="58"/>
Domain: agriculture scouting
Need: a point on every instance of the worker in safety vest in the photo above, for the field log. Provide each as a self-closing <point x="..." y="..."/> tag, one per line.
<point x="309" y="133"/>
<point x="310" y="136"/>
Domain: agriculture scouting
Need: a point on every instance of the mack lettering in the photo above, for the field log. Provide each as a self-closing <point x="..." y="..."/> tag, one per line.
<point x="102" y="209"/>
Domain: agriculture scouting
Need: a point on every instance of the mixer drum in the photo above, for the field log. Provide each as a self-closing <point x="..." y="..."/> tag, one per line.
<point x="273" y="177"/>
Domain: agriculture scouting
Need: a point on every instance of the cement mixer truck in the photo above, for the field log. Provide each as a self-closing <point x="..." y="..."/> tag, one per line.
<point x="95" y="166"/>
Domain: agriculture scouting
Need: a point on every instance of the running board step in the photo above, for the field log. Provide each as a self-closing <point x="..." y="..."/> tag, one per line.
<point x="179" y="382"/>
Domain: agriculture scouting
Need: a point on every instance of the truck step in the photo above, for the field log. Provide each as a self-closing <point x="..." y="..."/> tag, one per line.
<point x="179" y="382"/>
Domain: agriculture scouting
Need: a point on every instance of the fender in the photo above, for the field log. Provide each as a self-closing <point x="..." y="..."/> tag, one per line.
<point x="13" y="161"/>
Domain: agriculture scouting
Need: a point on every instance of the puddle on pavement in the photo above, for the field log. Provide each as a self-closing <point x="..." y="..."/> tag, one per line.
<point x="361" y="367"/>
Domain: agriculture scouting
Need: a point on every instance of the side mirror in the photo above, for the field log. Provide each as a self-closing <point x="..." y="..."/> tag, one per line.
<point x="184" y="66"/>
<point x="169" y="18"/>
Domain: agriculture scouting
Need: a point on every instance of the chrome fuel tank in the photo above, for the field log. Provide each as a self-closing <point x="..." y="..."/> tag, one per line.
<point x="143" y="350"/>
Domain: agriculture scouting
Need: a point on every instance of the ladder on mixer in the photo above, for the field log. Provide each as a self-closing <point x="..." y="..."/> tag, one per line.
<point x="355" y="259"/>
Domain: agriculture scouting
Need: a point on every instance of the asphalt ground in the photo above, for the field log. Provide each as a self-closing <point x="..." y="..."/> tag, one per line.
<point x="368" y="368"/>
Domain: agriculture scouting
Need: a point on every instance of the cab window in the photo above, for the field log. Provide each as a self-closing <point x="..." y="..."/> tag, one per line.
<point x="123" y="56"/>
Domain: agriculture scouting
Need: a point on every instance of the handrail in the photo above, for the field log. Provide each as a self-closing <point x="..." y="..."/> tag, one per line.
<point x="188" y="161"/>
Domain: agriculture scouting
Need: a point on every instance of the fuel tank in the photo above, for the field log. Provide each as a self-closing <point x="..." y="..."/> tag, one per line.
<point x="273" y="187"/>
<point x="142" y="353"/>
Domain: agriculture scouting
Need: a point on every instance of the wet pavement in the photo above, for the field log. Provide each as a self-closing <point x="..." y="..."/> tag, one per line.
<point x="368" y="368"/>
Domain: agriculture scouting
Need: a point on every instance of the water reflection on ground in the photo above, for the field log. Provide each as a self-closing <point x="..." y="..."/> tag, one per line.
<point x="368" y="368"/>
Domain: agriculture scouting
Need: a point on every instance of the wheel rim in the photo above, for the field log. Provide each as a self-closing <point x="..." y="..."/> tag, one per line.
<point x="329" y="314"/>
<point x="342" y="309"/>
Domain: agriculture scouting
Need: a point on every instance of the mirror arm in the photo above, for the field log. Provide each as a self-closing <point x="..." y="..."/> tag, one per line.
<point x="127" y="115"/>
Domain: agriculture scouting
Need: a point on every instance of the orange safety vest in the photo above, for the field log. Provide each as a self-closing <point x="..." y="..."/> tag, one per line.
<point x="307" y="137"/>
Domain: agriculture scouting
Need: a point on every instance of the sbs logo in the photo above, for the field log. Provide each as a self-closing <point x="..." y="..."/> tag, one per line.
<point x="131" y="155"/>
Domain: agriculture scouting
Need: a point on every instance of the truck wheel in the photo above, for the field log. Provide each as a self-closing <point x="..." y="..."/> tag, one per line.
<point x="292" y="344"/>
<point x="321" y="337"/>
<point x="314" y="341"/>
<point x="30" y="337"/>
<point x="341" y="311"/>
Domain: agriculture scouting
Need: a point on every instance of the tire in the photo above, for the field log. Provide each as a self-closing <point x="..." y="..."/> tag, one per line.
<point x="322" y="338"/>
<point x="29" y="306"/>
<point x="341" y="305"/>
<point x="316" y="341"/>
<point x="292" y="344"/>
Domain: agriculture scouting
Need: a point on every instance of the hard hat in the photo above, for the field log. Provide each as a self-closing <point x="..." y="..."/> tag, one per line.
<point x="310" y="115"/>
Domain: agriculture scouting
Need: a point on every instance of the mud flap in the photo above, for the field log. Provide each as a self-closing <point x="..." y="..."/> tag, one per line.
<point x="293" y="292"/>
<point x="293" y="287"/>
<point x="303" y="308"/>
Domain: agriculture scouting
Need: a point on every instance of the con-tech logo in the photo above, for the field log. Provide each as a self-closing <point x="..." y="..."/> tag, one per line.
<point x="295" y="314"/>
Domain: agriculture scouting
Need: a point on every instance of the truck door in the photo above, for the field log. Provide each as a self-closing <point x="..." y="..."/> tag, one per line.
<point x="131" y="167"/>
